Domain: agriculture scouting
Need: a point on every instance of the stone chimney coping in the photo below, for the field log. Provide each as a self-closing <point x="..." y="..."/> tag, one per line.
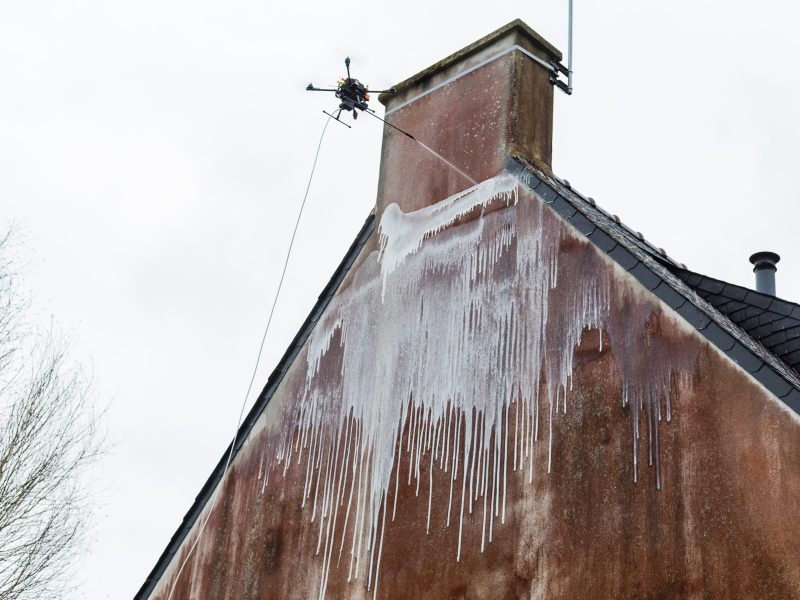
<point x="516" y="29"/>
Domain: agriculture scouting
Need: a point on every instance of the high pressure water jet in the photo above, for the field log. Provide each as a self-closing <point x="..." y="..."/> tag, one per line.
<point x="445" y="161"/>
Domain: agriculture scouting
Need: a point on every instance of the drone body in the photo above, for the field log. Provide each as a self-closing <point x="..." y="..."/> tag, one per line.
<point x="353" y="95"/>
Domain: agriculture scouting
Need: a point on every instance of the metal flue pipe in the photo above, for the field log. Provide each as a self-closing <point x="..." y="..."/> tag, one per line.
<point x="764" y="268"/>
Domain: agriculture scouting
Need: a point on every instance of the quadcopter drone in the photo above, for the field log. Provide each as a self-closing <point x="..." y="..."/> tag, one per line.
<point x="354" y="97"/>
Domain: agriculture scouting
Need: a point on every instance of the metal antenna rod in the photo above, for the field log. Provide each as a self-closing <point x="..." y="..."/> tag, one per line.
<point x="347" y="64"/>
<point x="569" y="51"/>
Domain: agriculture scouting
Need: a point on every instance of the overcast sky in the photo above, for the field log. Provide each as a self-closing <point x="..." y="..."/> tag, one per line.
<point x="154" y="153"/>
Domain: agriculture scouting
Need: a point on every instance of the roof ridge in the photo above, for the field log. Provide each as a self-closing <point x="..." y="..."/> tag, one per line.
<point x="656" y="251"/>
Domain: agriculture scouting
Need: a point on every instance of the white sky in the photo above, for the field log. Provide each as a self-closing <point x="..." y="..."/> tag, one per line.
<point x="155" y="154"/>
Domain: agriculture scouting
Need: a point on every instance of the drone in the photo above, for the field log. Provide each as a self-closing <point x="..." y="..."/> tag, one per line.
<point x="353" y="96"/>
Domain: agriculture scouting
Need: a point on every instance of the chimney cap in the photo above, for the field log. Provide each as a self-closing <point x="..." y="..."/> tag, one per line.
<point x="517" y="26"/>
<point x="764" y="260"/>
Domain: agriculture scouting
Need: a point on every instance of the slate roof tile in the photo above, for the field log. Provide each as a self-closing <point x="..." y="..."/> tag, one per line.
<point x="771" y="321"/>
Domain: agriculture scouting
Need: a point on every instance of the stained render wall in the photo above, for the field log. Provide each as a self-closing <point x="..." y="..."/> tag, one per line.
<point x="490" y="408"/>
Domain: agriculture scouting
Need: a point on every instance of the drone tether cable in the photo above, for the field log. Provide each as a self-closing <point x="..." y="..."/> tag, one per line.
<point x="255" y="368"/>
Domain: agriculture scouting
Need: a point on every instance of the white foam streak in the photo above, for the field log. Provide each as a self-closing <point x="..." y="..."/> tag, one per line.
<point x="401" y="234"/>
<point x="440" y="337"/>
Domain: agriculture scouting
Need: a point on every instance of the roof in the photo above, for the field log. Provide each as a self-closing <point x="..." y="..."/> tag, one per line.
<point x="761" y="333"/>
<point x="772" y="322"/>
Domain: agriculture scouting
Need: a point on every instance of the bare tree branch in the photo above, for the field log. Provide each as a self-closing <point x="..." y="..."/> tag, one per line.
<point x="48" y="439"/>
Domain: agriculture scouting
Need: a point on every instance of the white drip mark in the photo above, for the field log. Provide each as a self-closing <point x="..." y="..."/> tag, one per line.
<point x="440" y="375"/>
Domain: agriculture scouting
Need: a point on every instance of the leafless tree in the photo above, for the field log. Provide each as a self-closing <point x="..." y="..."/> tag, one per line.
<point x="48" y="439"/>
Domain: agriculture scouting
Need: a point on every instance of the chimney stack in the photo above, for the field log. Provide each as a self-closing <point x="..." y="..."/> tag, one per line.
<point x="764" y="268"/>
<point x="469" y="113"/>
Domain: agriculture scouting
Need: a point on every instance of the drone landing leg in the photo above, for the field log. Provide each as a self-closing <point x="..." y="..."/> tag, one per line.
<point x="336" y="118"/>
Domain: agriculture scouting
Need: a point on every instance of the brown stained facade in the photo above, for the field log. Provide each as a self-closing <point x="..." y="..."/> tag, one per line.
<point x="468" y="417"/>
<point x="472" y="117"/>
